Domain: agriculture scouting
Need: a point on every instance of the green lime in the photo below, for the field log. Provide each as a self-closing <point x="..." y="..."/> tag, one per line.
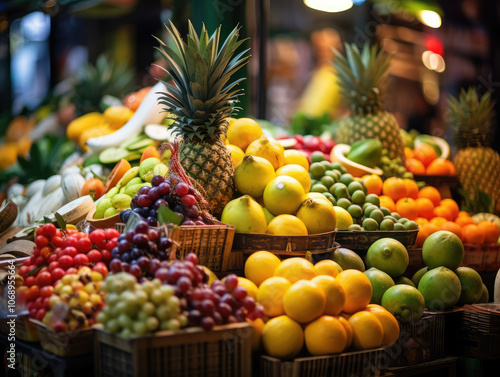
<point x="403" y="220"/>
<point x="313" y="181"/>
<point x="341" y="192"/>
<point x="358" y="197"/>
<point x="355" y="211"/>
<point x="373" y="199"/>
<point x="317" y="170"/>
<point x="398" y="226"/>
<point x="318" y="187"/>
<point x="370" y="224"/>
<point x="338" y="166"/>
<point x="396" y="215"/>
<point x="369" y="209"/>
<point x="411" y="225"/>
<point x="346" y="178"/>
<point x="355" y="227"/>
<point x="344" y="203"/>
<point x="317" y="156"/>
<point x="377" y="215"/>
<point x="327" y="181"/>
<point x="328" y="165"/>
<point x="385" y="211"/>
<point x="330" y="173"/>
<point x="328" y="195"/>
<point x="354" y="186"/>
<point x="393" y="219"/>
<point x="387" y="224"/>
<point x="365" y="190"/>
<point x="334" y="186"/>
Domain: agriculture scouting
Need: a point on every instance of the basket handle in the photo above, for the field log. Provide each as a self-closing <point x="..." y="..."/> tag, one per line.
<point x="289" y="247"/>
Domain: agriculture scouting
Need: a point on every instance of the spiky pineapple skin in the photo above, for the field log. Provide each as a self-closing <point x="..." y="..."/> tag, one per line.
<point x="479" y="167"/>
<point x="211" y="166"/>
<point x="382" y="126"/>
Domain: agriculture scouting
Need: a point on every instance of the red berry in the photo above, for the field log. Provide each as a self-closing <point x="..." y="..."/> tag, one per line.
<point x="94" y="256"/>
<point x="43" y="278"/>
<point x="81" y="260"/>
<point x="101" y="268"/>
<point x="102" y="245"/>
<point x="36" y="253"/>
<point x="38" y="303"/>
<point x="38" y="232"/>
<point x="58" y="233"/>
<point x="71" y="270"/>
<point x="53" y="266"/>
<point x="46" y="252"/>
<point x="33" y="313"/>
<point x="49" y="230"/>
<point x="30" y="281"/>
<point x="97" y="236"/>
<point x="70" y="250"/>
<point x="44" y="269"/>
<point x="46" y="303"/>
<point x="84" y="245"/>
<point x="46" y="291"/>
<point x="41" y="241"/>
<point x="39" y="260"/>
<point x="57" y="274"/>
<point x="70" y="241"/>
<point x="110" y="245"/>
<point x="106" y="256"/>
<point x="111" y="233"/>
<point x="65" y="262"/>
<point x="52" y="258"/>
<point x="40" y="314"/>
<point x="23" y="270"/>
<point x="57" y="241"/>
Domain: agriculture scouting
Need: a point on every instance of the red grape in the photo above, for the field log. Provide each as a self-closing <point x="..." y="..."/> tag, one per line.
<point x="207" y="323"/>
<point x="231" y="282"/>
<point x="162" y="274"/>
<point x="239" y="293"/>
<point x="116" y="265"/>
<point x="157" y="180"/>
<point x="184" y="284"/>
<point x="207" y="307"/>
<point x="164" y="188"/>
<point x="181" y="189"/>
<point x="193" y="258"/>
<point x="143" y="190"/>
<point x="188" y="200"/>
<point x="224" y="309"/>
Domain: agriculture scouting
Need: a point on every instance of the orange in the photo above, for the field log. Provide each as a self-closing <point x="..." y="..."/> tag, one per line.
<point x="425" y="231"/>
<point x="408" y="153"/>
<point x="327" y="267"/>
<point x="438" y="220"/>
<point x="388" y="322"/>
<point x="425" y="208"/>
<point x="411" y="188"/>
<point x="149" y="152"/>
<point x="271" y="293"/>
<point x="261" y="266"/>
<point x="282" y="337"/>
<point x="387" y="202"/>
<point x="490" y="231"/>
<point x="249" y="285"/>
<point x="431" y="193"/>
<point x="415" y="166"/>
<point x="438" y="167"/>
<point x="373" y="184"/>
<point x="325" y="336"/>
<point x="357" y="288"/>
<point x="348" y="330"/>
<point x="452" y="206"/>
<point x="464" y="213"/>
<point x="367" y="329"/>
<point x="394" y="188"/>
<point x="406" y="208"/>
<point x="116" y="174"/>
<point x="295" y="269"/>
<point x="473" y="234"/>
<point x="421" y="221"/>
<point x="451" y="166"/>
<point x="464" y="220"/>
<point x="258" y="326"/>
<point x="425" y="154"/>
<point x="453" y="227"/>
<point x="334" y="293"/>
<point x="304" y="301"/>
<point x="443" y="211"/>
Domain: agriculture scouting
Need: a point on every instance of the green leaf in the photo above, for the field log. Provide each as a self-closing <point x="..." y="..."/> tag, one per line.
<point x="132" y="222"/>
<point x="60" y="221"/>
<point x="46" y="220"/>
<point x="167" y="216"/>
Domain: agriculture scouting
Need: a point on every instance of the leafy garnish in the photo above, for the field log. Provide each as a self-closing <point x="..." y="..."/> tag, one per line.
<point x="167" y="216"/>
<point x="60" y="221"/>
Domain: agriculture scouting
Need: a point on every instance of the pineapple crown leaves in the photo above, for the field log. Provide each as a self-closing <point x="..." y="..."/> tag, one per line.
<point x="471" y="118"/>
<point x="362" y="77"/>
<point x="203" y="96"/>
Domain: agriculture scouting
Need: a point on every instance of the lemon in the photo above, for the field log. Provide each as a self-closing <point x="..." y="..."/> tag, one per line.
<point x="304" y="301"/>
<point x="328" y="267"/>
<point x="245" y="214"/>
<point x="287" y="225"/>
<point x="282" y="337"/>
<point x="318" y="216"/>
<point x="344" y="219"/>
<point x="242" y="132"/>
<point x="293" y="156"/>
<point x="334" y="293"/>
<point x="236" y="153"/>
<point x="283" y="195"/>
<point x="160" y="169"/>
<point x="249" y="286"/>
<point x="269" y="149"/>
<point x="211" y="276"/>
<point x="325" y="336"/>
<point x="295" y="269"/>
<point x="318" y="196"/>
<point x="270" y="295"/>
<point x="261" y="266"/>
<point x="117" y="116"/>
<point x="269" y="215"/>
<point x="252" y="175"/>
<point x="121" y="201"/>
<point x="297" y="172"/>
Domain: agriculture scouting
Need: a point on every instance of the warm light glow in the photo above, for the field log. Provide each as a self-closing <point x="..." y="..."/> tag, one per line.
<point x="433" y="61"/>
<point x="429" y="18"/>
<point x="331" y="6"/>
<point x="430" y="89"/>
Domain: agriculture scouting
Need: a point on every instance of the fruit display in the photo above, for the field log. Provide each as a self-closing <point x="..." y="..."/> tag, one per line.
<point x="429" y="157"/>
<point x="308" y="144"/>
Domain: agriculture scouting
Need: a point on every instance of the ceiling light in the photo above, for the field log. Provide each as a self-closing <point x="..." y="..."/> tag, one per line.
<point x="330" y="6"/>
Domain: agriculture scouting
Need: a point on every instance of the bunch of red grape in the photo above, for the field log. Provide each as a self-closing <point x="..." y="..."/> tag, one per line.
<point x="179" y="199"/>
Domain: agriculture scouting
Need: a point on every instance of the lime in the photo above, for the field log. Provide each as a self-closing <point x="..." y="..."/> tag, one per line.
<point x="390" y="218"/>
<point x="373" y="199"/>
<point x="355" y="211"/>
<point x="403" y="220"/>
<point x="317" y="156"/>
<point x="346" y="178"/>
<point x="328" y="195"/>
<point x="385" y="211"/>
<point x="365" y="190"/>
<point x="328" y="164"/>
<point x="368" y="209"/>
<point x="354" y="186"/>
<point x="388" y="255"/>
<point x="440" y="287"/>
<point x="410" y="225"/>
<point x="327" y="181"/>
<point x="387" y="224"/>
<point x="405" y="303"/>
<point x="370" y="224"/>
<point x="443" y="248"/>
<point x="381" y="282"/>
<point x="418" y="275"/>
<point x="355" y="227"/>
<point x="348" y="259"/>
<point x="396" y="215"/>
<point x="344" y="203"/>
<point x="377" y="215"/>
<point x="338" y="166"/>
<point x="319" y="187"/>
<point x="333" y="187"/>
<point x="404" y="280"/>
<point x="398" y="226"/>
<point x="358" y="197"/>
<point x="313" y="181"/>
<point x="317" y="170"/>
<point x="332" y="174"/>
<point x="341" y="192"/>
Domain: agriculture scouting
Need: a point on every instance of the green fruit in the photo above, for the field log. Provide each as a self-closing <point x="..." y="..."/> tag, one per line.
<point x="396" y="215"/>
<point x="443" y="248"/>
<point x="134" y="181"/>
<point x="348" y="259"/>
<point x="328" y="165"/>
<point x="398" y="226"/>
<point x="317" y="156"/>
<point x="388" y="255"/>
<point x="403" y="220"/>
<point x="367" y="152"/>
<point x="485" y="296"/>
<point x="441" y="288"/>
<point x="380" y="281"/>
<point x="355" y="228"/>
<point x="327" y="181"/>
<point x="346" y="178"/>
<point x="354" y="186"/>
<point x="394" y="220"/>
<point x="344" y="203"/>
<point x="404" y="280"/>
<point x="330" y="173"/>
<point x="358" y="197"/>
<point x="341" y="192"/>
<point x="410" y="225"/>
<point x="332" y="189"/>
<point x="318" y="187"/>
<point x="377" y="215"/>
<point x="121" y="201"/>
<point x="385" y="211"/>
<point x="369" y="209"/>
<point x="146" y="168"/>
<point x="373" y="199"/>
<point x="339" y="167"/>
<point x="132" y="190"/>
<point x="313" y="181"/>
<point x="101" y="207"/>
<point x="269" y="215"/>
<point x="112" y="192"/>
<point x="387" y="224"/>
<point x="472" y="285"/>
<point x="418" y="275"/>
<point x="370" y="224"/>
<point x="111" y="212"/>
<point x="161" y="169"/>
<point x="355" y="211"/>
<point x="317" y="170"/>
<point x="405" y="303"/>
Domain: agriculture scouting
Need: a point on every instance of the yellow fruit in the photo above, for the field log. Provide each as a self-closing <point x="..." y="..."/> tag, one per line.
<point x="269" y="149"/>
<point x="282" y="337"/>
<point x="252" y="175"/>
<point x="245" y="214"/>
<point x="236" y="153"/>
<point x="261" y="266"/>
<point x="258" y="326"/>
<point x="344" y="219"/>
<point x="271" y="293"/>
<point x="117" y="116"/>
<point x="346" y="315"/>
<point x="325" y="336"/>
<point x="249" y="286"/>
<point x="286" y="225"/>
<point x="283" y="195"/>
<point x="269" y="215"/>
<point x="83" y="123"/>
<point x="348" y="330"/>
<point x="327" y="267"/>
<point x="318" y="196"/>
<point x="334" y="293"/>
<point x="242" y="132"/>
<point x="8" y="155"/>
<point x="304" y="301"/>
<point x="293" y="156"/>
<point x="211" y="276"/>
<point x="367" y="329"/>
<point x="297" y="172"/>
<point x="388" y="322"/>
<point x="318" y="216"/>
<point x="295" y="269"/>
<point x="358" y="290"/>
<point x="97" y="131"/>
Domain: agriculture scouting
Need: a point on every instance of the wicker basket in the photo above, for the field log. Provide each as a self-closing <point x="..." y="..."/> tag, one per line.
<point x="362" y="240"/>
<point x="473" y="256"/>
<point x="223" y="351"/>
<point x="25" y="329"/>
<point x="359" y="364"/>
<point x="65" y="344"/>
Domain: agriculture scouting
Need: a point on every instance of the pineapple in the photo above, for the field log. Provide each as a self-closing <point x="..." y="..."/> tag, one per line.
<point x="361" y="77"/>
<point x="201" y="103"/>
<point x="478" y="166"/>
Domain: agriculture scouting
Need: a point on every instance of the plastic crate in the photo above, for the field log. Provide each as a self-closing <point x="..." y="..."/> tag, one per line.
<point x="359" y="364"/>
<point x="223" y="351"/>
<point x="362" y="240"/>
<point x="65" y="344"/>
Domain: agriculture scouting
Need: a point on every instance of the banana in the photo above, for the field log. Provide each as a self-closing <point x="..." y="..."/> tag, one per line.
<point x="128" y="176"/>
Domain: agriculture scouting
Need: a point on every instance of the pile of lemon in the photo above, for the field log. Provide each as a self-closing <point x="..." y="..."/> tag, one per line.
<point x="321" y="306"/>
<point x="275" y="185"/>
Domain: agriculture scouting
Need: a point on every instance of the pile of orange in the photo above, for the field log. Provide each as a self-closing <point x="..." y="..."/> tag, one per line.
<point x="424" y="161"/>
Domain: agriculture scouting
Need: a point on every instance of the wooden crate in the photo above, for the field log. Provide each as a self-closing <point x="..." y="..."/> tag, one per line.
<point x="478" y="346"/>
<point x="359" y="364"/>
<point x="362" y="240"/>
<point x="225" y="351"/>
<point x="473" y="256"/>
<point x="25" y="329"/>
<point x="491" y="252"/>
<point x="65" y="344"/>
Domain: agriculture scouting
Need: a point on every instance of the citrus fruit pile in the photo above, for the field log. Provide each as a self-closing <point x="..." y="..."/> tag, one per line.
<point x="322" y="306"/>
<point x="423" y="160"/>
